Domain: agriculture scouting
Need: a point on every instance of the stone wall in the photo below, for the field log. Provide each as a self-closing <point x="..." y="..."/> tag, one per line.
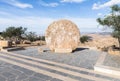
<point x="5" y="43"/>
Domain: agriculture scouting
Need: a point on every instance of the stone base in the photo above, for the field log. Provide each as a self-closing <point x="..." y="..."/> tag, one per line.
<point x="58" y="50"/>
<point x="114" y="52"/>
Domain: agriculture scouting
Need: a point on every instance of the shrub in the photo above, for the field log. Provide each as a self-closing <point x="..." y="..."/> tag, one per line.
<point x="84" y="39"/>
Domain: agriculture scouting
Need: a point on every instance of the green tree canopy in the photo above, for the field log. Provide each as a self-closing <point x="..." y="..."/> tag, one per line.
<point x="113" y="21"/>
<point x="31" y="36"/>
<point x="14" y="32"/>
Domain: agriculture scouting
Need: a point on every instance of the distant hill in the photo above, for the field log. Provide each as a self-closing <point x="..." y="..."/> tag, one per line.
<point x="100" y="33"/>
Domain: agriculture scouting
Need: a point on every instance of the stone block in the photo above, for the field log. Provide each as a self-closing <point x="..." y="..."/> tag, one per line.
<point x="57" y="50"/>
<point x="5" y="43"/>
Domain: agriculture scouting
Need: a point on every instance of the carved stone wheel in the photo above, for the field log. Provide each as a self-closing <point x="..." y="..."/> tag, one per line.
<point x="62" y="36"/>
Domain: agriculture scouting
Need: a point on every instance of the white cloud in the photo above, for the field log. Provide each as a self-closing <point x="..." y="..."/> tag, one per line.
<point x="4" y="13"/>
<point x="17" y="4"/>
<point x="99" y="14"/>
<point x="40" y="24"/>
<point x="35" y="24"/>
<point x="71" y="1"/>
<point x="107" y="4"/>
<point x="84" y="22"/>
<point x="51" y="4"/>
<point x="48" y="4"/>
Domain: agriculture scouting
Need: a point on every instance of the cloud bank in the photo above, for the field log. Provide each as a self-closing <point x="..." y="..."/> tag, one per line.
<point x="72" y="1"/>
<point x="17" y="4"/>
<point x="39" y="24"/>
<point x="107" y="4"/>
<point x="53" y="4"/>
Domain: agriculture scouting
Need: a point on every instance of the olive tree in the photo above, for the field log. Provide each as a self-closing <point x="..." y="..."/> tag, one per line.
<point x="112" y="21"/>
<point x="16" y="32"/>
<point x="31" y="36"/>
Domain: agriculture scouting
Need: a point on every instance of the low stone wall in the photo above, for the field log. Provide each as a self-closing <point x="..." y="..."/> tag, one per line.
<point x="5" y="43"/>
<point x="114" y="51"/>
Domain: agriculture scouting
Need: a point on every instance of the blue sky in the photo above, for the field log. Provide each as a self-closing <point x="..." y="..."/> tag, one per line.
<point x="36" y="15"/>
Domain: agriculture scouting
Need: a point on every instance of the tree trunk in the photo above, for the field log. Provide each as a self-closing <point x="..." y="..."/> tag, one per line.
<point x="119" y="42"/>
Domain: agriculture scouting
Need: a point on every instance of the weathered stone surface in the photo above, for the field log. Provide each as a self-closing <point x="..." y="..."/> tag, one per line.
<point x="5" y="43"/>
<point x="114" y="51"/>
<point x="62" y="36"/>
<point x="26" y="42"/>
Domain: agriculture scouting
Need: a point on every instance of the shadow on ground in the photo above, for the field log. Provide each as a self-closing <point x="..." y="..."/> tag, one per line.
<point x="79" y="49"/>
<point x="16" y="49"/>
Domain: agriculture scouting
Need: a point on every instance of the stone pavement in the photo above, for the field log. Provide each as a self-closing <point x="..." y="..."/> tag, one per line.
<point x="112" y="61"/>
<point x="83" y="57"/>
<point x="29" y="65"/>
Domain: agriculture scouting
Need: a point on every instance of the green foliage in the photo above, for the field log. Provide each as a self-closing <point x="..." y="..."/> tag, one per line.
<point x="112" y="21"/>
<point x="31" y="36"/>
<point x="20" y="33"/>
<point x="14" y="32"/>
<point x="84" y="39"/>
<point x="42" y="38"/>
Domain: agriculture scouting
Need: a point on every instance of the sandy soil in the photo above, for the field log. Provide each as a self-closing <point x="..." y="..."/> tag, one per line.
<point x="100" y="41"/>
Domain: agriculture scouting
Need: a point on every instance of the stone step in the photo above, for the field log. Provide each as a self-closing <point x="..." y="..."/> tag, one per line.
<point x="11" y="56"/>
<point x="66" y="66"/>
<point x="72" y="73"/>
<point x="37" y="70"/>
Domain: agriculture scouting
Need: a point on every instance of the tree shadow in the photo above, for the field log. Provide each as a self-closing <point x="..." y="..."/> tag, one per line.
<point x="79" y="49"/>
<point x="16" y="49"/>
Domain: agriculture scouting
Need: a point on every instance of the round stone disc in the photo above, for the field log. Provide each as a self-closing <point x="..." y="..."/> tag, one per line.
<point x="62" y="36"/>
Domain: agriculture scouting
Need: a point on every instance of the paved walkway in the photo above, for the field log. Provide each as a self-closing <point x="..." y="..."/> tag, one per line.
<point x="112" y="61"/>
<point x="82" y="57"/>
<point x="29" y="65"/>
